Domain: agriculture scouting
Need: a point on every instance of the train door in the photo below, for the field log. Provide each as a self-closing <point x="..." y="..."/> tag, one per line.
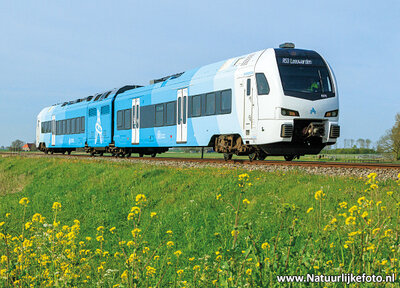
<point x="248" y="107"/>
<point x="135" y="120"/>
<point x="53" y="130"/>
<point x="181" y="116"/>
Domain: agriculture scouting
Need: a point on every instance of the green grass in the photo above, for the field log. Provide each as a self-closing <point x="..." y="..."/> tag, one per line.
<point x="101" y="193"/>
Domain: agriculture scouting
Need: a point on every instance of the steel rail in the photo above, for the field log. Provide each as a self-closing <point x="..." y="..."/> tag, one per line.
<point x="238" y="161"/>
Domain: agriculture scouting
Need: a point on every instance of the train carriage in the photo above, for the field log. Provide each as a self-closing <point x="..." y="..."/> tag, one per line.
<point x="279" y="101"/>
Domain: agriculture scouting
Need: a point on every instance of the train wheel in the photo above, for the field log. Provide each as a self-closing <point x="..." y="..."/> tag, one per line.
<point x="46" y="151"/>
<point x="51" y="152"/>
<point x="101" y="154"/>
<point x="261" y="157"/>
<point x="63" y="152"/>
<point x="252" y="156"/>
<point x="228" y="156"/>
<point x="69" y="152"/>
<point x="153" y="155"/>
<point x="140" y="155"/>
<point x="288" y="157"/>
<point x="128" y="155"/>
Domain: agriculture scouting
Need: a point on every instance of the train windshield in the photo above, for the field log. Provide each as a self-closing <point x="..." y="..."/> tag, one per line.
<point x="305" y="76"/>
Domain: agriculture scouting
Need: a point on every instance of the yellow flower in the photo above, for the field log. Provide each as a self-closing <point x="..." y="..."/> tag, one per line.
<point x="156" y="257"/>
<point x="354" y="233"/>
<point x="153" y="214"/>
<point x="112" y="230"/>
<point x="169" y="232"/>
<point x="244" y="177"/>
<point x="28" y="225"/>
<point x="371" y="247"/>
<point x="389" y="193"/>
<point x="245" y="201"/>
<point x="316" y="267"/>
<point x="219" y="257"/>
<point x="135" y="210"/>
<point x="233" y="232"/>
<point x="170" y="244"/>
<point x="88" y="238"/>
<point x="350" y="220"/>
<point x="100" y="238"/>
<point x="360" y="200"/>
<point x="196" y="267"/>
<point x="378" y="203"/>
<point x="371" y="175"/>
<point x="145" y="250"/>
<point x="365" y="214"/>
<point x="178" y="253"/>
<point x="140" y="198"/>
<point x="191" y="259"/>
<point x="310" y="209"/>
<point x="135" y="232"/>
<point x="248" y="272"/>
<point x="179" y="272"/>
<point x="56" y="206"/>
<point x="124" y="276"/>
<point x="37" y="218"/>
<point x="343" y="205"/>
<point x="376" y="230"/>
<point x="218" y="196"/>
<point x="265" y="245"/>
<point x="8" y="215"/>
<point x="100" y="228"/>
<point x="352" y="209"/>
<point x="24" y="201"/>
<point x="319" y="195"/>
<point x="150" y="271"/>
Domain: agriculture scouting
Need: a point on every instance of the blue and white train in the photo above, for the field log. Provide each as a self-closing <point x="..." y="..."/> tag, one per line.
<point x="281" y="101"/>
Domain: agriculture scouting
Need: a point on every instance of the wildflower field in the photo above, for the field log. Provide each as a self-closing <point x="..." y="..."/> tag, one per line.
<point x="95" y="223"/>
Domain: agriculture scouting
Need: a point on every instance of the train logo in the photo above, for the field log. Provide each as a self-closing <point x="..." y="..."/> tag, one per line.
<point x="99" y="129"/>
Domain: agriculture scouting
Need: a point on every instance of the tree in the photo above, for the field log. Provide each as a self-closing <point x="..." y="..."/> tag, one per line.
<point x="368" y="142"/>
<point x="390" y="142"/>
<point x="361" y="143"/>
<point x="17" y="145"/>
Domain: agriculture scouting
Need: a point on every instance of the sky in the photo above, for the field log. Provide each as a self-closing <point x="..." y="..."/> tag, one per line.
<point x="54" y="51"/>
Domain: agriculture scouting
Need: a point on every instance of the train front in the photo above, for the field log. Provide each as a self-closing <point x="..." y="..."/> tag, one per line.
<point x="306" y="105"/>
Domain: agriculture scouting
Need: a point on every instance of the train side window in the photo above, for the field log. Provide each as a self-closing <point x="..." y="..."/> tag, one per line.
<point x="120" y="119"/>
<point x="83" y="124"/>
<point x="248" y="89"/>
<point x="64" y="127"/>
<point x="57" y="127"/>
<point x="226" y="101"/>
<point x="159" y="115"/>
<point x="262" y="84"/>
<point x="78" y="125"/>
<point x="210" y="104"/>
<point x="73" y="121"/>
<point x="196" y="106"/>
<point x="68" y="126"/>
<point x="184" y="109"/>
<point x="127" y="119"/>
<point x="170" y="111"/>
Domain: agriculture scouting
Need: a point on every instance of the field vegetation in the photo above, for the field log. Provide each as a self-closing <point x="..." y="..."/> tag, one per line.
<point x="95" y="223"/>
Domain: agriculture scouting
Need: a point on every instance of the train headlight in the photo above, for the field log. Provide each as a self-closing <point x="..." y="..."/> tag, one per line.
<point x="287" y="112"/>
<point x="333" y="113"/>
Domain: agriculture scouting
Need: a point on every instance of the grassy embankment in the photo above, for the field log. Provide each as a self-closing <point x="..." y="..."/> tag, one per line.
<point x="184" y="231"/>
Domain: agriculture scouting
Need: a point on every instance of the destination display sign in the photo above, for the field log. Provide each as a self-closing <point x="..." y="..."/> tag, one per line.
<point x="300" y="61"/>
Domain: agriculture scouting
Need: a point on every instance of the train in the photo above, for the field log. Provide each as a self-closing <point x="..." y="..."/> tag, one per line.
<point x="274" y="102"/>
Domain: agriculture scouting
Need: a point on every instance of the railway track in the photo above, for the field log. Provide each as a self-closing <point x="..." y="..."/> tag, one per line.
<point x="236" y="161"/>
